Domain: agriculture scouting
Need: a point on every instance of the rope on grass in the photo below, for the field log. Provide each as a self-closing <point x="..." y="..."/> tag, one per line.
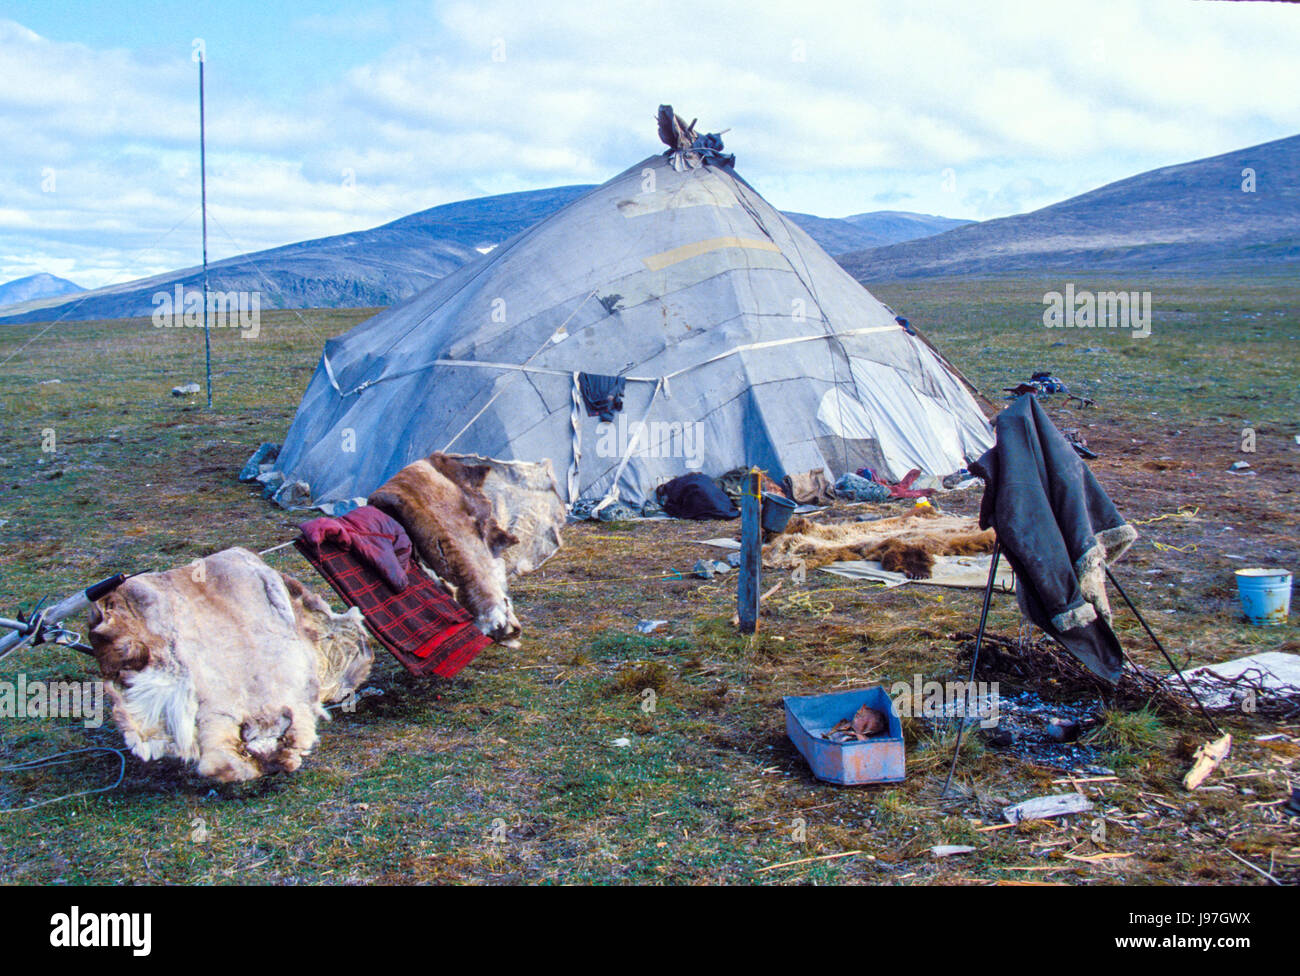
<point x="57" y="759"/>
<point x="804" y="602"/>
<point x="1184" y="511"/>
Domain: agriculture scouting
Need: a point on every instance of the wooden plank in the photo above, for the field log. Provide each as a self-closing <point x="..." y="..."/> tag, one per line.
<point x="751" y="553"/>
<point x="1043" y="807"/>
<point x="1207" y="760"/>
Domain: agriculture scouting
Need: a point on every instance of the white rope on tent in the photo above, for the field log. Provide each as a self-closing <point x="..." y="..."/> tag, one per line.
<point x="549" y="371"/>
<point x="575" y="419"/>
<point x="557" y="336"/>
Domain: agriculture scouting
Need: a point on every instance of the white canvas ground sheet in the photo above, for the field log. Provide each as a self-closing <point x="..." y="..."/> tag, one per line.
<point x="1273" y="670"/>
<point x="962" y="572"/>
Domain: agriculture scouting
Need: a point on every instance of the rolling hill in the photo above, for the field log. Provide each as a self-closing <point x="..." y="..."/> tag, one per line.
<point x="1202" y="216"/>
<point x="34" y="287"/>
<point x="385" y="264"/>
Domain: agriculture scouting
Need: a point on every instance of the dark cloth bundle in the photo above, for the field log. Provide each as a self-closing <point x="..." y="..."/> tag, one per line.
<point x="602" y="395"/>
<point x="1059" y="530"/>
<point x="420" y="624"/>
<point x="695" y="496"/>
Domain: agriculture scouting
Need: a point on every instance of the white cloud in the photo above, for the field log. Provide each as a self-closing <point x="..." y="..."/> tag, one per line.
<point x="833" y="109"/>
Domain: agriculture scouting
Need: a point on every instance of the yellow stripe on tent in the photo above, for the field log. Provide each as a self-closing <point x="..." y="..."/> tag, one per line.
<point x="657" y="262"/>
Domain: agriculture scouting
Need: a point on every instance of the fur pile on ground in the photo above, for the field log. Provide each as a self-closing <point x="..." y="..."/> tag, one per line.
<point x="903" y="544"/>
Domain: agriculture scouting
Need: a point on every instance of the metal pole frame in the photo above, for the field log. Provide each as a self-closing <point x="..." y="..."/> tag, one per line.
<point x="203" y="192"/>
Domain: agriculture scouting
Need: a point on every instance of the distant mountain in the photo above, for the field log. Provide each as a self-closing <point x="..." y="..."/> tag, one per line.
<point x="36" y="286"/>
<point x="370" y="267"/>
<point x="1229" y="212"/>
<point x="838" y="235"/>
<point x="385" y="264"/>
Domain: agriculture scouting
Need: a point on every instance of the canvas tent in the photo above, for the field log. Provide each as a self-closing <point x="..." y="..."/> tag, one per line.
<point x="741" y="342"/>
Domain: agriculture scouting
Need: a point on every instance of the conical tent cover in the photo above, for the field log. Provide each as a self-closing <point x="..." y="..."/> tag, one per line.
<point x="740" y="342"/>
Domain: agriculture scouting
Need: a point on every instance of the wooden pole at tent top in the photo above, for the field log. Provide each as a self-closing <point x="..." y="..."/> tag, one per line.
<point x="751" y="552"/>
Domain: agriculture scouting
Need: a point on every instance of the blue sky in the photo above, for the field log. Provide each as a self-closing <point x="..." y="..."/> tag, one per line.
<point x="330" y="117"/>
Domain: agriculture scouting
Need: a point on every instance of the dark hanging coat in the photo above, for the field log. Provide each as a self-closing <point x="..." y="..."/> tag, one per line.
<point x="1059" y="530"/>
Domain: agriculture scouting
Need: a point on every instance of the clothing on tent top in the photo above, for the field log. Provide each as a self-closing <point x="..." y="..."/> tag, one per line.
<point x="1058" y="528"/>
<point x="695" y="496"/>
<point x="602" y="395"/>
<point x="709" y="146"/>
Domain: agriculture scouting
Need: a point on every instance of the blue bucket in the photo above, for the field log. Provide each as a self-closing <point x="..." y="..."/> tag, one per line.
<point x="1265" y="595"/>
<point x="776" y="512"/>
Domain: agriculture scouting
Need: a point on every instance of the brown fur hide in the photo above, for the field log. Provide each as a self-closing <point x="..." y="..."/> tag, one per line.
<point x="224" y="663"/>
<point x="904" y="544"/>
<point x="526" y="503"/>
<point x="440" y="502"/>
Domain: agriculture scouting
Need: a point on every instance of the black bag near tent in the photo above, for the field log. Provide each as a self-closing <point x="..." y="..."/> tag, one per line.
<point x="695" y="496"/>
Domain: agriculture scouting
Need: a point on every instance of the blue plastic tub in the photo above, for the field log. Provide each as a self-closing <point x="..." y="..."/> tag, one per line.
<point x="880" y="759"/>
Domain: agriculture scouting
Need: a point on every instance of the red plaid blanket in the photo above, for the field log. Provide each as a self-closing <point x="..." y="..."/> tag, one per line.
<point x="423" y="627"/>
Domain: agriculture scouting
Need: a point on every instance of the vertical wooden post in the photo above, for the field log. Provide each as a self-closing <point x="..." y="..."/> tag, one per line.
<point x="751" y="552"/>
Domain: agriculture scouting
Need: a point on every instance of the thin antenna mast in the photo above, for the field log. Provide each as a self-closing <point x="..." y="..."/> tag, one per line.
<point x="203" y="184"/>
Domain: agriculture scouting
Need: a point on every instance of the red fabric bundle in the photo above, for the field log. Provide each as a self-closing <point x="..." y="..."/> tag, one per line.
<point x="376" y="538"/>
<point x="420" y="624"/>
<point x="904" y="488"/>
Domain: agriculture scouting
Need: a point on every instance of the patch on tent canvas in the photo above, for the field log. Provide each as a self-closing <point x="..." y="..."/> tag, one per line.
<point x="657" y="262"/>
<point x="706" y="190"/>
<point x="654" y="285"/>
<point x="224" y="663"/>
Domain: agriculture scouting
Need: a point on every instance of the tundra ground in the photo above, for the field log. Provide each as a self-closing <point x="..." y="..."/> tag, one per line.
<point x="509" y="773"/>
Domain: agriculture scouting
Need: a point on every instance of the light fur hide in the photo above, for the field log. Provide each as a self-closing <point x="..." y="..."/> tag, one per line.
<point x="903" y="544"/>
<point x="1090" y="568"/>
<point x="440" y="502"/>
<point x="222" y="662"/>
<point x="526" y="503"/>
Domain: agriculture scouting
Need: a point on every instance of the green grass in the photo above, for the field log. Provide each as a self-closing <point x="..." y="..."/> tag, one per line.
<point x="510" y="773"/>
